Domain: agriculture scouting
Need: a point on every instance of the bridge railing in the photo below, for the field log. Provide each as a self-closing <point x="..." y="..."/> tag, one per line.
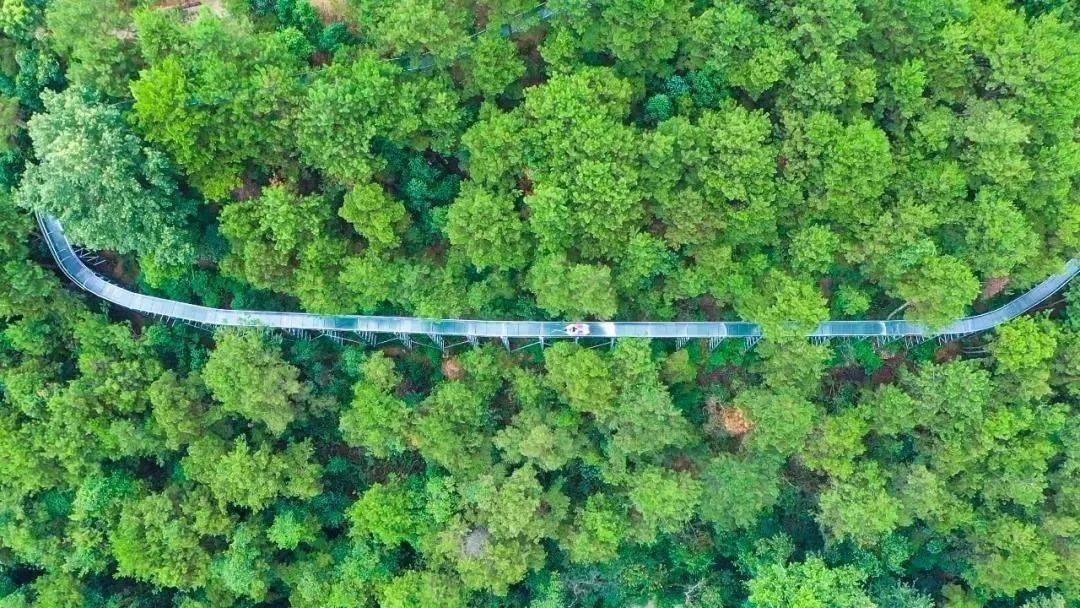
<point x="75" y="269"/>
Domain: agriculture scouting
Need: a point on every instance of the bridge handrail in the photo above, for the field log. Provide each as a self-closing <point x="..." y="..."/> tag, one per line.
<point x="80" y="274"/>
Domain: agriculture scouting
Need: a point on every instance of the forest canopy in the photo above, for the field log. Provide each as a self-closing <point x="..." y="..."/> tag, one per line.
<point x="780" y="162"/>
<point x="671" y="159"/>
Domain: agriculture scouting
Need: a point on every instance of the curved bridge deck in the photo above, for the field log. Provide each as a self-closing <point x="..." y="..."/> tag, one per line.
<point x="72" y="266"/>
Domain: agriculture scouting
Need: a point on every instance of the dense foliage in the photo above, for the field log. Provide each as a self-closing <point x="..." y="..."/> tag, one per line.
<point x="786" y="161"/>
<point x="156" y="465"/>
<point x="783" y="162"/>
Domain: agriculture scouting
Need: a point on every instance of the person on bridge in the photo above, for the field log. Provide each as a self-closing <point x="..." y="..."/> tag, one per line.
<point x="577" y="329"/>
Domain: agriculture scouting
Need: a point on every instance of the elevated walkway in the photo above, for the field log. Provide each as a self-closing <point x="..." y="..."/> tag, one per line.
<point x="75" y="269"/>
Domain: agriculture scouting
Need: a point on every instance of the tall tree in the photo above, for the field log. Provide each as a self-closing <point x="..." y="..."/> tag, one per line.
<point x="217" y="95"/>
<point x="98" y="38"/>
<point x="809" y="583"/>
<point x="286" y="242"/>
<point x="250" y="378"/>
<point x="111" y="189"/>
<point x="352" y="102"/>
